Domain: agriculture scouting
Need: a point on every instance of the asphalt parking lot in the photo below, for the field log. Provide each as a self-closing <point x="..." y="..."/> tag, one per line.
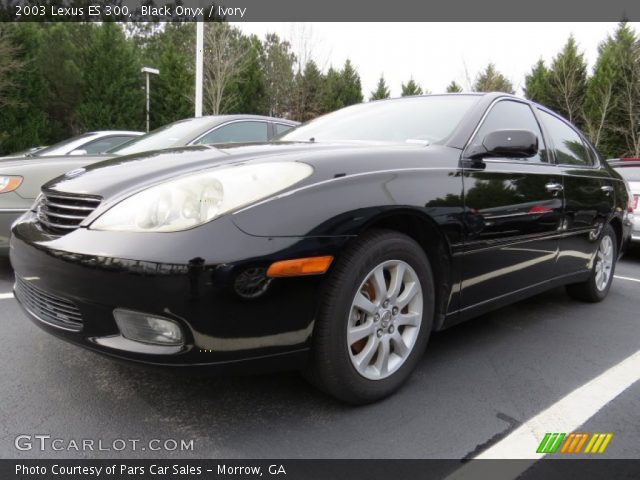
<point x="476" y="384"/>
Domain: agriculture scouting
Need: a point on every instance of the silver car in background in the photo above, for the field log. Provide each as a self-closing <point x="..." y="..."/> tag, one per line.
<point x="89" y="143"/>
<point x="21" y="178"/>
<point x="629" y="169"/>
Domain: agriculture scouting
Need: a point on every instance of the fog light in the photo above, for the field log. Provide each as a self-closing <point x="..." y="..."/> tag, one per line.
<point x="146" y="328"/>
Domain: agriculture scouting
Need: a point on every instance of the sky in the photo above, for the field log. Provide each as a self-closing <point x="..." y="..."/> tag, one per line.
<point x="434" y="54"/>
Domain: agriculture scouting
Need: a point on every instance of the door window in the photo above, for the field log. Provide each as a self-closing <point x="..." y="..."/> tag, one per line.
<point x="567" y="143"/>
<point x="236" y="132"/>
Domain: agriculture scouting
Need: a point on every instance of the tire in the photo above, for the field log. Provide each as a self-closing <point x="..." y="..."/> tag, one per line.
<point x="596" y="288"/>
<point x="340" y="367"/>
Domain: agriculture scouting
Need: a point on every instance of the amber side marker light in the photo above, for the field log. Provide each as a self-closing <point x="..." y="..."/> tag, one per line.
<point x="300" y="266"/>
<point x="9" y="183"/>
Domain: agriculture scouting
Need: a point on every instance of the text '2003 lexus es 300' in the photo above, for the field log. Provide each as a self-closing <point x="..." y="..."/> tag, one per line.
<point x="335" y="249"/>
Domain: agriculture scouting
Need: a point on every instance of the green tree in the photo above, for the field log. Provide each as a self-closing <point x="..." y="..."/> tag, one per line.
<point x="248" y="87"/>
<point x="381" y="91"/>
<point x="625" y="118"/>
<point x="60" y="63"/>
<point x="330" y="98"/>
<point x="23" y="122"/>
<point x="491" y="80"/>
<point x="277" y="65"/>
<point x="411" y="88"/>
<point x="453" y="87"/>
<point x="113" y="97"/>
<point x="568" y="82"/>
<point x="310" y="86"/>
<point x="600" y="98"/>
<point x="537" y="84"/>
<point x="350" y="85"/>
<point x="172" y="92"/>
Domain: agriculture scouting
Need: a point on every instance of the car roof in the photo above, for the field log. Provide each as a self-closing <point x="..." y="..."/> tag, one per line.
<point x="115" y="132"/>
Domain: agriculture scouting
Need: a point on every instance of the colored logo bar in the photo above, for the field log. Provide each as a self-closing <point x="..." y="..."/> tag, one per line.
<point x="574" y="442"/>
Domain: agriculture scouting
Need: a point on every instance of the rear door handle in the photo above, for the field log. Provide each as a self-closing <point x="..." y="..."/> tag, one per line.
<point x="606" y="189"/>
<point x="554" y="187"/>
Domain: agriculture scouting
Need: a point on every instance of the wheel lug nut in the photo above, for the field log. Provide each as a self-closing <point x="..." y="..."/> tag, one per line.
<point x="385" y="304"/>
<point x="379" y="333"/>
<point x="391" y="329"/>
<point x="376" y="317"/>
<point x="395" y="310"/>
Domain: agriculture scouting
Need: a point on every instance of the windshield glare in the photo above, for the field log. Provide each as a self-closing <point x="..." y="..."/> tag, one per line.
<point x="171" y="135"/>
<point x="426" y="119"/>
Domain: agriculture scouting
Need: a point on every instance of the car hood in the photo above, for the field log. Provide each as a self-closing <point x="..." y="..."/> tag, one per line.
<point x="36" y="171"/>
<point x="123" y="175"/>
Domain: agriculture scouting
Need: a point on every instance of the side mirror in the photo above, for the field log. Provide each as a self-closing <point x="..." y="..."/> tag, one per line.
<point x="505" y="144"/>
<point x="78" y="152"/>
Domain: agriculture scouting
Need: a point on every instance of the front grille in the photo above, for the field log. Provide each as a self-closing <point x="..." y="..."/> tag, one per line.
<point x="62" y="213"/>
<point x="48" y="308"/>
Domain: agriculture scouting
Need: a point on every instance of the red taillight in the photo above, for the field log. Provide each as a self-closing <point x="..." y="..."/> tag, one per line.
<point x="633" y="203"/>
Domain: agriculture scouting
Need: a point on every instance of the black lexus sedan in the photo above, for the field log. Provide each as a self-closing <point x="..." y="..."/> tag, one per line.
<point x="336" y="249"/>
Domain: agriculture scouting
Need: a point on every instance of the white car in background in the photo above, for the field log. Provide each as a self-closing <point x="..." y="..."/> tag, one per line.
<point x="629" y="169"/>
<point x="90" y="143"/>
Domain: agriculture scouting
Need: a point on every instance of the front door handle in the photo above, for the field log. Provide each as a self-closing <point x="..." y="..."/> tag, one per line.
<point x="554" y="187"/>
<point x="606" y="189"/>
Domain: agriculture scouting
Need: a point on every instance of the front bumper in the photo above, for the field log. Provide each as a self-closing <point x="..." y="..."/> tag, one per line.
<point x="198" y="278"/>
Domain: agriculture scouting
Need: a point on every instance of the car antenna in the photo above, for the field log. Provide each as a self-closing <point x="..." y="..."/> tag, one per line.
<point x="312" y="139"/>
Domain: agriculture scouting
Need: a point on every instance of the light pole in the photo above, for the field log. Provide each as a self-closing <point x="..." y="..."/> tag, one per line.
<point x="199" y="56"/>
<point x="147" y="71"/>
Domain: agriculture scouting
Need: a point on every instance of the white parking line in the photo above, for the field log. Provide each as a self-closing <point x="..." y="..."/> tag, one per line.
<point x="566" y="415"/>
<point x="627" y="278"/>
<point x="5" y="295"/>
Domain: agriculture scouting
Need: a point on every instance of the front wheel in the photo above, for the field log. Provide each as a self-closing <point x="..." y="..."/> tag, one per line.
<point x="596" y="288"/>
<point x="375" y="318"/>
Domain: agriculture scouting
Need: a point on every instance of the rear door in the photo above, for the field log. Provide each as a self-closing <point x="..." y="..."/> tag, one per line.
<point x="514" y="212"/>
<point x="588" y="192"/>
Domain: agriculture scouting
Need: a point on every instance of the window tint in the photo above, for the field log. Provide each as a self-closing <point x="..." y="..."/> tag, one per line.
<point x="567" y="144"/>
<point x="281" y="128"/>
<point x="236" y="132"/>
<point x="104" y="144"/>
<point x="507" y="115"/>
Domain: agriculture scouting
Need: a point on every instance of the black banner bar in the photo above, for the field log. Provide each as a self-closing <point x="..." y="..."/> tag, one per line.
<point x="548" y="469"/>
<point x="324" y="11"/>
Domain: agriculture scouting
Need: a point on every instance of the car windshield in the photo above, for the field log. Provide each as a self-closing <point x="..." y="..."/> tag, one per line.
<point x="630" y="174"/>
<point x="171" y="135"/>
<point x="59" y="146"/>
<point x="426" y="119"/>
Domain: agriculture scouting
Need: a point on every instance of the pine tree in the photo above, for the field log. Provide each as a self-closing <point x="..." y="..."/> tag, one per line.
<point x="453" y="87"/>
<point x="113" y="97"/>
<point x="330" y="98"/>
<point x="277" y="65"/>
<point x="411" y="88"/>
<point x="491" y="80"/>
<point x="537" y="86"/>
<point x="350" y="86"/>
<point x="172" y="92"/>
<point x="381" y="91"/>
<point x="23" y="121"/>
<point x="568" y="82"/>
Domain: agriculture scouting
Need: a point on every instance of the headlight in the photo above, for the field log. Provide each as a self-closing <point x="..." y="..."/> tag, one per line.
<point x="8" y="183"/>
<point x="199" y="198"/>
